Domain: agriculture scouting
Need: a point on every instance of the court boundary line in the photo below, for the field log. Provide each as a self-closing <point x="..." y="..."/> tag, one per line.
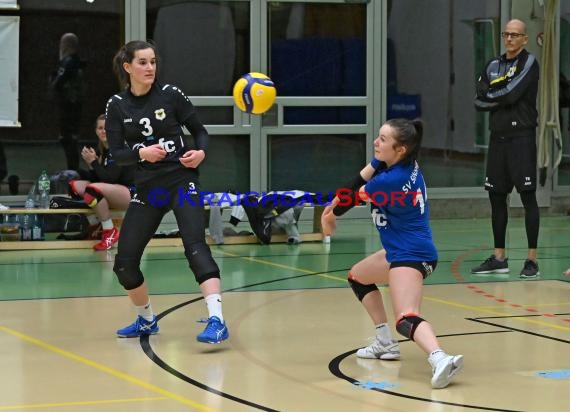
<point x="334" y="368"/>
<point x="106" y="369"/>
<point x="485" y="322"/>
<point x="78" y="403"/>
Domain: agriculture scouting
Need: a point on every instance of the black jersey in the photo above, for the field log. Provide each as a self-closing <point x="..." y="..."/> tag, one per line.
<point x="108" y="171"/>
<point x="133" y="122"/>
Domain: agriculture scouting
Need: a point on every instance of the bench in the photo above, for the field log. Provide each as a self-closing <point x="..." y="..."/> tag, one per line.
<point x="313" y="236"/>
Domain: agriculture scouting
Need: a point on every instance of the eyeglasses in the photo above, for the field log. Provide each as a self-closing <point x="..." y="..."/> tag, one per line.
<point x="507" y="34"/>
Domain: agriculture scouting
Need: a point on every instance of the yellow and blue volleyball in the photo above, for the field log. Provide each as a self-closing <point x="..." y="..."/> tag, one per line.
<point x="254" y="93"/>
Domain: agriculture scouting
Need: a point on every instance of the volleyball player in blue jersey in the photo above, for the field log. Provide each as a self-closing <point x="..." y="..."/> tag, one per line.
<point x="396" y="189"/>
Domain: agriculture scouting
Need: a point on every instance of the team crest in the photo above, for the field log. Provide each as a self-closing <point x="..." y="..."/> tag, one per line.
<point x="159" y="114"/>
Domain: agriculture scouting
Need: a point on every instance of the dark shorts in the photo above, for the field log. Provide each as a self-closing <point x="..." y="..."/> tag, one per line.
<point x="425" y="268"/>
<point x="511" y="162"/>
<point x="179" y="188"/>
<point x="179" y="192"/>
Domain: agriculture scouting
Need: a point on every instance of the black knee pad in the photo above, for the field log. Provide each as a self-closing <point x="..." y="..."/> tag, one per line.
<point x="201" y="262"/>
<point x="92" y="196"/>
<point x="407" y="325"/>
<point x="128" y="273"/>
<point x="359" y="289"/>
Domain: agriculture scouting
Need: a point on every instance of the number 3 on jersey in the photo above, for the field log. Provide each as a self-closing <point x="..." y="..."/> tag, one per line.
<point x="145" y="122"/>
<point x="167" y="145"/>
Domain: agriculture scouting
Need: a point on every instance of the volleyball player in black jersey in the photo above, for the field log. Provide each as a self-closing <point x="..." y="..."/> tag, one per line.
<point x="144" y="127"/>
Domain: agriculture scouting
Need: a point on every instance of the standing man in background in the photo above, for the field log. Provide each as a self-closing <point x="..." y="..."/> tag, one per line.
<point x="68" y="89"/>
<point x="508" y="87"/>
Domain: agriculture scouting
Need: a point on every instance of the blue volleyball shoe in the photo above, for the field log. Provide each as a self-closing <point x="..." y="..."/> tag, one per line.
<point x="139" y="327"/>
<point x="216" y="331"/>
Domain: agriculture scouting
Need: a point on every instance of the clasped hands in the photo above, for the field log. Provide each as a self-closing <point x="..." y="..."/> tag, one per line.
<point x="156" y="153"/>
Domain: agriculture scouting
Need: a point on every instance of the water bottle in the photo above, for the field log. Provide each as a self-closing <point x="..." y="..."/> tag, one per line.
<point x="43" y="188"/>
<point x="37" y="227"/>
<point x="31" y="199"/>
<point x="28" y="219"/>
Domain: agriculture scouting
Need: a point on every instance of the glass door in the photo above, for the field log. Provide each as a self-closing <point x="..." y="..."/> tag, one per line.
<point x="318" y="53"/>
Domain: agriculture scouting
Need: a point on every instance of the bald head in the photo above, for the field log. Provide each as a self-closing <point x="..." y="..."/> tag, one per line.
<point x="514" y="37"/>
<point x="517" y="24"/>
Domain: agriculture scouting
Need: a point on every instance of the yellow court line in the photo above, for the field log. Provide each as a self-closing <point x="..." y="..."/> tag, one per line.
<point x="279" y="265"/>
<point x="492" y="312"/>
<point x="106" y="369"/>
<point x="343" y="280"/>
<point x="445" y="302"/>
<point x="85" y="403"/>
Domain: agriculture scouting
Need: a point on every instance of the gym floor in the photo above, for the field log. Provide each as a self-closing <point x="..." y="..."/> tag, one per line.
<point x="294" y="327"/>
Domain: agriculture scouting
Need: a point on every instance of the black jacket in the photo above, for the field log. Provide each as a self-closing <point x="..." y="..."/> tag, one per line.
<point x="67" y="82"/>
<point x="508" y="89"/>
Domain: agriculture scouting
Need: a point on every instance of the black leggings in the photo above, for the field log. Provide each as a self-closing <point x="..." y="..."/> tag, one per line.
<point x="500" y="217"/>
<point x="141" y="222"/>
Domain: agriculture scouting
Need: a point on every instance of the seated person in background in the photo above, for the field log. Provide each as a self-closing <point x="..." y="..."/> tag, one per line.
<point x="109" y="185"/>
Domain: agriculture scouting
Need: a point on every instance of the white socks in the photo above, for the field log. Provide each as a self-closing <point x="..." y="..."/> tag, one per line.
<point x="107" y="224"/>
<point x="214" y="303"/>
<point x="145" y="311"/>
<point x="383" y="332"/>
<point x="436" y="356"/>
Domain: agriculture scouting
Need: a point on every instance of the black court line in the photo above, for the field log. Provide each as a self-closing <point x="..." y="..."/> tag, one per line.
<point x="485" y="322"/>
<point x="146" y="346"/>
<point x="334" y="368"/>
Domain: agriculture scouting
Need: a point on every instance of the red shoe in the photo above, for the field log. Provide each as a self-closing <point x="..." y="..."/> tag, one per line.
<point x="108" y="239"/>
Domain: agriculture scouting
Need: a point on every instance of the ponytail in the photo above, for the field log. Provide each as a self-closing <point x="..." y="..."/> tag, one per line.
<point x="409" y="133"/>
<point x="126" y="54"/>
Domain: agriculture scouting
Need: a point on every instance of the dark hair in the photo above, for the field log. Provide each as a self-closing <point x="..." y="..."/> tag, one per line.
<point x="126" y="54"/>
<point x="100" y="117"/>
<point x="409" y="134"/>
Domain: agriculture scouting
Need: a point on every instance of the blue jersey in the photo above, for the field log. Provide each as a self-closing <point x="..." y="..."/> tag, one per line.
<point x="400" y="212"/>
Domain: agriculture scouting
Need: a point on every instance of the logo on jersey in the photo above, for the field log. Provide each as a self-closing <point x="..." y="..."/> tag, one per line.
<point x="168" y="145"/>
<point x="160" y="114"/>
<point x="511" y="72"/>
<point x="379" y="219"/>
<point x="135" y="199"/>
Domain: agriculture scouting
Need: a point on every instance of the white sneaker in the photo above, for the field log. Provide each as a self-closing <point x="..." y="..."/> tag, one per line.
<point x="379" y="350"/>
<point x="445" y="369"/>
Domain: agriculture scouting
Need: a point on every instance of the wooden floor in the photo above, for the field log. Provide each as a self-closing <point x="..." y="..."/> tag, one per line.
<point x="294" y="327"/>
